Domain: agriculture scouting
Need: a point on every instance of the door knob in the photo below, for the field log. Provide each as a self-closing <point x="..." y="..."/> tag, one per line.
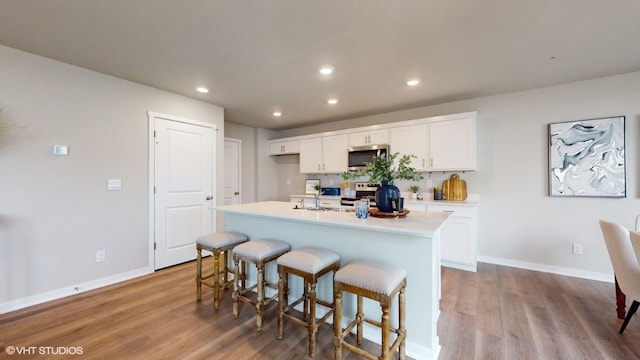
<point x="209" y="197"/>
<point x="236" y="193"/>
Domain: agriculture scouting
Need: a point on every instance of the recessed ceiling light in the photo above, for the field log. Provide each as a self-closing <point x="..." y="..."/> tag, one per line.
<point x="413" y="82"/>
<point x="202" y="89"/>
<point x="326" y="70"/>
<point x="332" y="101"/>
<point x="277" y="113"/>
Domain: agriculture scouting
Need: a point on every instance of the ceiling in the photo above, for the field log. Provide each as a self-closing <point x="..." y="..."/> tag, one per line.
<point x="261" y="56"/>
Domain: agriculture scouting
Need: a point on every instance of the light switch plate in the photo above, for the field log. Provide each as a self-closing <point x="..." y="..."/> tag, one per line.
<point x="114" y="184"/>
<point x="62" y="150"/>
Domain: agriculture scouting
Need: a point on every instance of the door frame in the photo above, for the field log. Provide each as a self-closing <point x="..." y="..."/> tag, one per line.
<point x="239" y="142"/>
<point x="151" y="116"/>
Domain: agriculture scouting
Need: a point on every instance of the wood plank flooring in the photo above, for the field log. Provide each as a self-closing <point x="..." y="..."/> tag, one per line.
<point x="497" y="313"/>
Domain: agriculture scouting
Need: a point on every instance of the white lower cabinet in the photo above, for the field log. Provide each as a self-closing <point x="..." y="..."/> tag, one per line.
<point x="458" y="236"/>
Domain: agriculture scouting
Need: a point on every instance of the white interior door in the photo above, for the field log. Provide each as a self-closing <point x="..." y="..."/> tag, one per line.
<point x="184" y="183"/>
<point x="231" y="171"/>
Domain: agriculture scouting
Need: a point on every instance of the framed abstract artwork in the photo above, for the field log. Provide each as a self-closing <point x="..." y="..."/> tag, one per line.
<point x="586" y="158"/>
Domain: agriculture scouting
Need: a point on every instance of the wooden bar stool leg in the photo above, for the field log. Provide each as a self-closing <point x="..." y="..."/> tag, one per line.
<point x="281" y="305"/>
<point x="384" y="304"/>
<point x="236" y="272"/>
<point x="360" y="317"/>
<point x="216" y="280"/>
<point x="199" y="273"/>
<point x="305" y="296"/>
<point x="313" y="327"/>
<point x="260" y="304"/>
<point x="225" y="276"/>
<point x="337" y="323"/>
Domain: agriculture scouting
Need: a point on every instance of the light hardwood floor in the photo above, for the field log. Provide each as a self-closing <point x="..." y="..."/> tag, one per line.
<point x="497" y="313"/>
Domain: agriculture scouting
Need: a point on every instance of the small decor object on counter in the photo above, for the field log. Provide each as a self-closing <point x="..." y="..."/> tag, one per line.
<point x="312" y="186"/>
<point x="362" y="208"/>
<point x="437" y="193"/>
<point x="414" y="191"/>
<point x="420" y="196"/>
<point x="454" y="189"/>
<point x="397" y="204"/>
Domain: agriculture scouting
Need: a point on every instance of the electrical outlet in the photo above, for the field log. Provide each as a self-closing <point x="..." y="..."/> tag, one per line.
<point x="577" y="249"/>
<point x="100" y="256"/>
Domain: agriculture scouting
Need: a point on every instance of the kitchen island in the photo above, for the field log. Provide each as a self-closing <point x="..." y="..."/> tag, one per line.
<point x="411" y="243"/>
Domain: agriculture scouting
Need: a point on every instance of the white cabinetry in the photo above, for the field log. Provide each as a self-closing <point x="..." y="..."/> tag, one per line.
<point x="458" y="236"/>
<point x="284" y="147"/>
<point x="411" y="140"/>
<point x="327" y="154"/>
<point x="453" y="145"/>
<point x="371" y="137"/>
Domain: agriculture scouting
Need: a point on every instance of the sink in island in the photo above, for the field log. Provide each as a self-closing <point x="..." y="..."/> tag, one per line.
<point x="412" y="243"/>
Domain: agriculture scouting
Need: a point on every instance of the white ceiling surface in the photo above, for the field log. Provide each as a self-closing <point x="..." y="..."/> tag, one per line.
<point x="259" y="56"/>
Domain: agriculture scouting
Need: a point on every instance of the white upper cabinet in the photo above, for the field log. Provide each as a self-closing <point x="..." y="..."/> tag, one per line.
<point x="327" y="154"/>
<point x="284" y="147"/>
<point x="411" y="140"/>
<point x="371" y="137"/>
<point x="440" y="143"/>
<point x="311" y="156"/>
<point x="335" y="154"/>
<point x="453" y="145"/>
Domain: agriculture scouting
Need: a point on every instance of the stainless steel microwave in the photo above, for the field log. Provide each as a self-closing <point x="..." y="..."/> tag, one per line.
<point x="360" y="155"/>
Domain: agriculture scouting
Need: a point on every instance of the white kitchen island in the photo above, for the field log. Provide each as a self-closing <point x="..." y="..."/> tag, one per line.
<point x="412" y="243"/>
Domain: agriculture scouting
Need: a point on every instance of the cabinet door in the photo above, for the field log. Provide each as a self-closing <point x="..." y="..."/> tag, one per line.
<point x="284" y="147"/>
<point x="334" y="154"/>
<point x="455" y="241"/>
<point x="311" y="156"/>
<point x="453" y="145"/>
<point x="379" y="137"/>
<point x="372" y="137"/>
<point x="458" y="236"/>
<point x="358" y="138"/>
<point x="411" y="140"/>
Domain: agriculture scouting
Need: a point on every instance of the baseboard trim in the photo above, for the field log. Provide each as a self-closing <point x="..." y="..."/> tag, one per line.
<point x="72" y="290"/>
<point x="589" y="275"/>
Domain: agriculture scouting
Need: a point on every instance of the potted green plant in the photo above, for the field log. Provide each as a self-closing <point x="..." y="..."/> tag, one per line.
<point x="415" y="189"/>
<point x="385" y="171"/>
<point x="347" y="179"/>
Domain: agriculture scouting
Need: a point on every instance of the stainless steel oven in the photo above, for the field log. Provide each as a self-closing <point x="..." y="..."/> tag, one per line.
<point x="363" y="191"/>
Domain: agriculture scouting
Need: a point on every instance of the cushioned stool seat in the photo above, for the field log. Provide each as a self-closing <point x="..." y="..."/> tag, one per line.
<point x="259" y="252"/>
<point x="310" y="264"/>
<point x="377" y="281"/>
<point x="217" y="243"/>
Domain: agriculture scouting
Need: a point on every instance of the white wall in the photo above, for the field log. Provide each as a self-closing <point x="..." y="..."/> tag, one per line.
<point x="519" y="224"/>
<point x="55" y="211"/>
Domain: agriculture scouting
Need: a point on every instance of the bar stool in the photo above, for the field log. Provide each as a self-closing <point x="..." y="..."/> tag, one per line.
<point x="260" y="252"/>
<point x="377" y="281"/>
<point x="310" y="264"/>
<point x="217" y="243"/>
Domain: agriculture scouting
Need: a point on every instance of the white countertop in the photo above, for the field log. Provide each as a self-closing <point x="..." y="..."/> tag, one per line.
<point x="416" y="223"/>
